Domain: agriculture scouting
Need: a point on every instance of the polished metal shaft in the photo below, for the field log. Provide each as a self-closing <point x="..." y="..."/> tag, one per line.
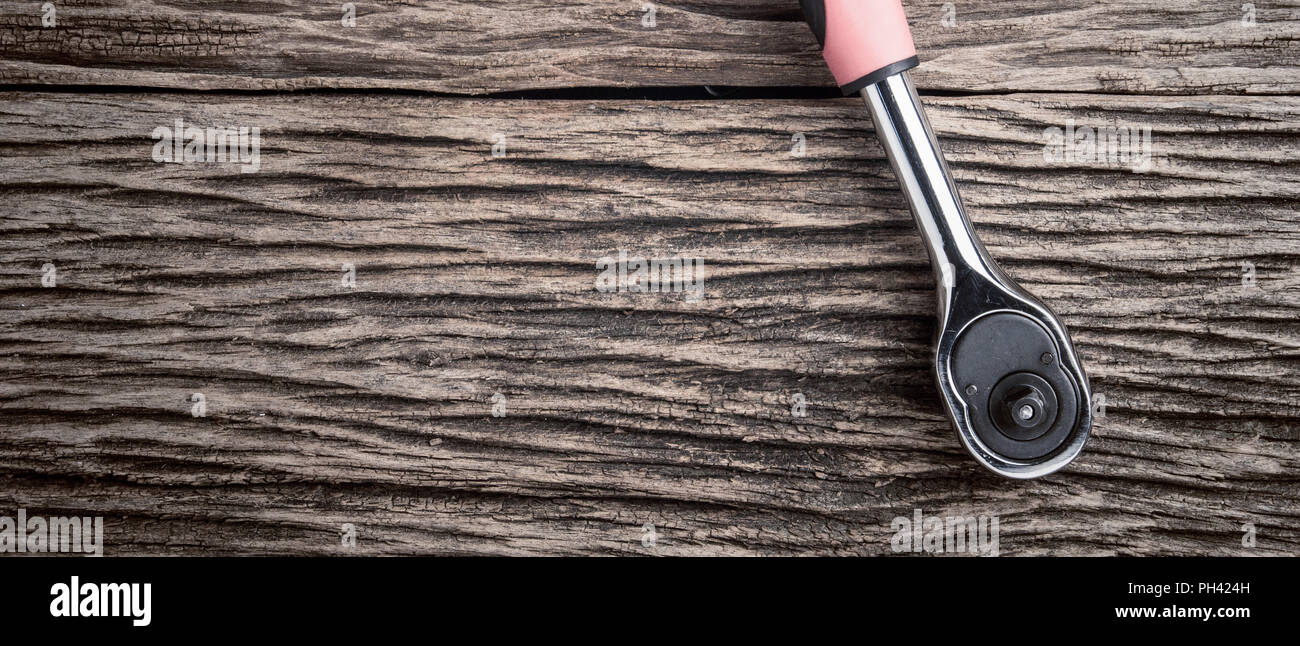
<point x="914" y="153"/>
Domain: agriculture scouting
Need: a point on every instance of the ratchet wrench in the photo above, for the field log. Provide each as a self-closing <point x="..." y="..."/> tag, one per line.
<point x="1007" y="372"/>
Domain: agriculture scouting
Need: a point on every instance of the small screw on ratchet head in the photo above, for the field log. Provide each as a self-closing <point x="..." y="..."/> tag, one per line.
<point x="1007" y="372"/>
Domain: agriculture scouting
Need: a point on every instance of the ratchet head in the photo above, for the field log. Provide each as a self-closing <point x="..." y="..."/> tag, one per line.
<point x="1009" y="376"/>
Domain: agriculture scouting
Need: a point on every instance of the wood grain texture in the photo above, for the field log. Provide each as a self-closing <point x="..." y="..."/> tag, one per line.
<point x="475" y="275"/>
<point x="1112" y="46"/>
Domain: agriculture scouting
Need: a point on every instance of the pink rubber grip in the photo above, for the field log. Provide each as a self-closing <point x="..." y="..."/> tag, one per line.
<point x="864" y="37"/>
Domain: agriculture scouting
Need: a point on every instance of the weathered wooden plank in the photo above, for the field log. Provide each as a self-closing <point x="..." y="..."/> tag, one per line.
<point x="475" y="275"/>
<point x="1118" y="46"/>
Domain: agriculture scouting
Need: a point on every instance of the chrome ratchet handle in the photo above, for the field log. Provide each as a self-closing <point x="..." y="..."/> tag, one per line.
<point x="1007" y="372"/>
